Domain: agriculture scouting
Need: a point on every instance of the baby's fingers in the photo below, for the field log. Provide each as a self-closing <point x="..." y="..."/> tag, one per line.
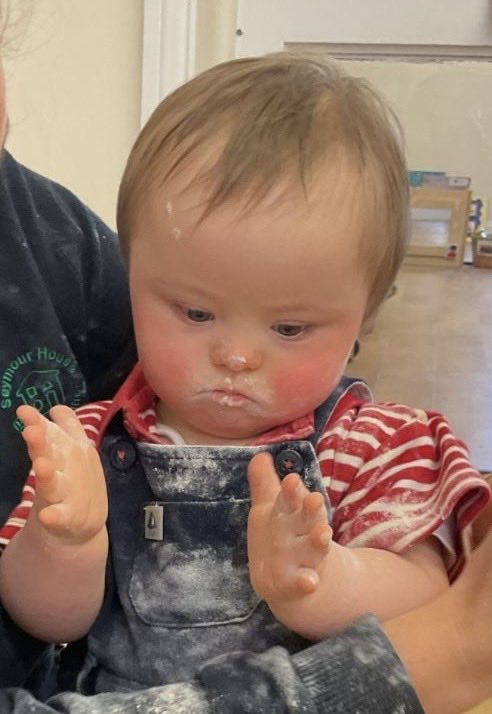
<point x="263" y="480"/>
<point x="307" y="551"/>
<point x="320" y="538"/>
<point x="34" y="439"/>
<point x="313" y="505"/>
<point x="296" y="581"/>
<point x="28" y="415"/>
<point x="67" y="420"/>
<point x="41" y="436"/>
<point x="291" y="496"/>
<point x="54" y="518"/>
<point x="299" y="511"/>
<point x="47" y="480"/>
<point x="307" y="580"/>
<point x="59" y="520"/>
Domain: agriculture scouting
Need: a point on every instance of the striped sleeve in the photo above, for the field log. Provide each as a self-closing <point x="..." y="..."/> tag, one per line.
<point x="91" y="417"/>
<point x="394" y="475"/>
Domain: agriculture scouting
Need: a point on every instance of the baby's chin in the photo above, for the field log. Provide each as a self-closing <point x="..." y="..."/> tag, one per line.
<point x="233" y="431"/>
<point x="237" y="430"/>
<point x="223" y="437"/>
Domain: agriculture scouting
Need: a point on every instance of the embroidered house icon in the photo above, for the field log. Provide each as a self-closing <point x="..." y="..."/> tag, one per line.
<point x="41" y="389"/>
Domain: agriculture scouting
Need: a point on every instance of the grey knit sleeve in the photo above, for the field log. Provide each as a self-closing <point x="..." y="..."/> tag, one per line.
<point x="357" y="671"/>
<point x="354" y="671"/>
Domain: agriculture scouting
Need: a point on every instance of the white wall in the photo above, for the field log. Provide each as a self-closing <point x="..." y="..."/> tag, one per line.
<point x="268" y="24"/>
<point x="73" y="94"/>
<point x="216" y="25"/>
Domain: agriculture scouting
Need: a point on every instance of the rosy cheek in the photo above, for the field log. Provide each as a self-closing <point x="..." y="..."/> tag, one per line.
<point x="177" y="366"/>
<point x="290" y="382"/>
<point x="304" y="383"/>
<point x="167" y="371"/>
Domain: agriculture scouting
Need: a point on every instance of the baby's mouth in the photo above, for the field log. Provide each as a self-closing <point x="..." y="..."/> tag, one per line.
<point x="228" y="398"/>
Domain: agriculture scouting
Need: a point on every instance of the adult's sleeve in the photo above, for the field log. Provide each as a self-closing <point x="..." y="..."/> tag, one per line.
<point x="68" y="260"/>
<point x="111" y="351"/>
<point x="356" y="670"/>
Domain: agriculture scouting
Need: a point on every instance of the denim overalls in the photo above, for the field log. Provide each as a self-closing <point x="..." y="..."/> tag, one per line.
<point x="177" y="589"/>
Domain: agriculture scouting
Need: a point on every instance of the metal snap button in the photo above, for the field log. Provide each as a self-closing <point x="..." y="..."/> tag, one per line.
<point x="288" y="461"/>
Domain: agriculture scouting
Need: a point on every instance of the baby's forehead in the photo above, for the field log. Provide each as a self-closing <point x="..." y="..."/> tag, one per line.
<point x="201" y="182"/>
<point x="293" y="256"/>
<point x="324" y="220"/>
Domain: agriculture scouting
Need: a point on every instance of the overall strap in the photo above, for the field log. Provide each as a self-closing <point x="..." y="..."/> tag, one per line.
<point x="324" y="411"/>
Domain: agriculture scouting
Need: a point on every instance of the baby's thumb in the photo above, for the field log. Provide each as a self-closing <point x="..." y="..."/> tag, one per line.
<point x="264" y="483"/>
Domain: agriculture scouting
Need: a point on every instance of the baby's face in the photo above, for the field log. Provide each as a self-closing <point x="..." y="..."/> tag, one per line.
<point x="244" y="321"/>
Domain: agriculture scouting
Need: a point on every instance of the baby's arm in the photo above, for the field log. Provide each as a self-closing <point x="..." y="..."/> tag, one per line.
<point x="313" y="585"/>
<point x="52" y="572"/>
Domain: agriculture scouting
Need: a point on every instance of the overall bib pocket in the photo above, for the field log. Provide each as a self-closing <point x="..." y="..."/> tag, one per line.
<point x="197" y="575"/>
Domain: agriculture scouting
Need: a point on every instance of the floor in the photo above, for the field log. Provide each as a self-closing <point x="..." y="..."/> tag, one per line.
<point x="431" y="346"/>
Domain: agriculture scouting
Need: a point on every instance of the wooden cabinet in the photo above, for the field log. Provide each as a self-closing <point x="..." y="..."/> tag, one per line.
<point x="438" y="226"/>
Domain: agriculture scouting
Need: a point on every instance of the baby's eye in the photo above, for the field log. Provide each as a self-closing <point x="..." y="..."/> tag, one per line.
<point x="287" y="330"/>
<point x="196" y="315"/>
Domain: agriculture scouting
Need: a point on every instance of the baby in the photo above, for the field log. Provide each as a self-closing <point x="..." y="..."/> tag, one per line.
<point x="263" y="215"/>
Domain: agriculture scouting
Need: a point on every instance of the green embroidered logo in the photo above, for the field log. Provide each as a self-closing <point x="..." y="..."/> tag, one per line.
<point x="41" y="378"/>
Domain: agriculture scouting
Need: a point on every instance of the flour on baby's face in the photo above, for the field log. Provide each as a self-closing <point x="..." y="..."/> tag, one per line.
<point x="175" y="231"/>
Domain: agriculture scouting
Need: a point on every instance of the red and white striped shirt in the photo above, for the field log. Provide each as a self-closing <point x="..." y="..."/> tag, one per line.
<point x="393" y="474"/>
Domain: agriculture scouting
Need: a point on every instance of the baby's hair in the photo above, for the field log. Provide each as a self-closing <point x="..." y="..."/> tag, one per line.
<point x="245" y="125"/>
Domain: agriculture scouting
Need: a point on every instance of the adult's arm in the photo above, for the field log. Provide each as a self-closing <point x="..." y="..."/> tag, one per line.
<point x="448" y="639"/>
<point x="357" y="670"/>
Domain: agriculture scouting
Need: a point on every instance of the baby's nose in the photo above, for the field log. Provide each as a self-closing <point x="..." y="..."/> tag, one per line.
<point x="236" y="360"/>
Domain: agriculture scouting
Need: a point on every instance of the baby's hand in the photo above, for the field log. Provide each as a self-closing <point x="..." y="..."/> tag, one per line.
<point x="71" y="498"/>
<point x="288" y="533"/>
